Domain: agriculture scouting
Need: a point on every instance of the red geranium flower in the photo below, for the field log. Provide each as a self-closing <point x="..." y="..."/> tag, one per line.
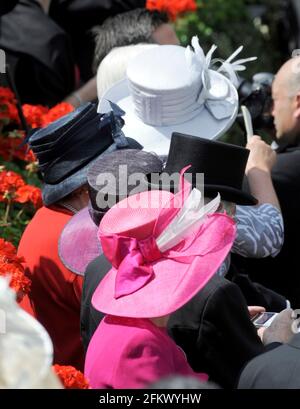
<point x="11" y="265"/>
<point x="172" y="7"/>
<point x="30" y="156"/>
<point x="18" y="281"/>
<point x="8" y="254"/>
<point x="6" y="95"/>
<point x="28" y="193"/>
<point x="57" y="112"/>
<point x="17" y="152"/>
<point x="34" y="114"/>
<point x="9" y="112"/>
<point x="10" y="148"/>
<point x="6" y="150"/>
<point x="7" y="249"/>
<point x="70" y="377"/>
<point x="10" y="182"/>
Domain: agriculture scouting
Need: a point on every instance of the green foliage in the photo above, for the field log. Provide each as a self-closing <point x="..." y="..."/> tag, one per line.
<point x="19" y="214"/>
<point x="13" y="230"/>
<point x="228" y="24"/>
<point x="18" y="166"/>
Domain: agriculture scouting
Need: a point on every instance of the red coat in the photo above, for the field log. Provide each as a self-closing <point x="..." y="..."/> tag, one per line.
<point x="55" y="295"/>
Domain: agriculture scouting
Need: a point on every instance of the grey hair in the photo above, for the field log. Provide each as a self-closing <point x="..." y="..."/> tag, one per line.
<point x="132" y="27"/>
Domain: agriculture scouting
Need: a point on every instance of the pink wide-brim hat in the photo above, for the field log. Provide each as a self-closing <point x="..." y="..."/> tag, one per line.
<point x="78" y="244"/>
<point x="147" y="283"/>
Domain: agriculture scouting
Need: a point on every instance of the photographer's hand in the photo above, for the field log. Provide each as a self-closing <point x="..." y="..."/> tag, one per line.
<point x="260" y="162"/>
<point x="261" y="156"/>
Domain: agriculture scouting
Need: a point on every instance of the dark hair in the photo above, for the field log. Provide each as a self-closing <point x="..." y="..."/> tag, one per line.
<point x="133" y="27"/>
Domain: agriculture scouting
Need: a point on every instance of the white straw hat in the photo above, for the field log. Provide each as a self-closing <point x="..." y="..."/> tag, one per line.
<point x="172" y="89"/>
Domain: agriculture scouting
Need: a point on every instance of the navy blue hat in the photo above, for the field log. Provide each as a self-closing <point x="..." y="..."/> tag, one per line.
<point x="67" y="147"/>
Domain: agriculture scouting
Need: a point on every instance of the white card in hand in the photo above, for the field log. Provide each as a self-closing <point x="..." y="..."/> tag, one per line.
<point x="248" y="122"/>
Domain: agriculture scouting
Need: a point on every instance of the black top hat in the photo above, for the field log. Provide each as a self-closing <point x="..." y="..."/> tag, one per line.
<point x="222" y="164"/>
<point x="117" y="175"/>
<point x="66" y="148"/>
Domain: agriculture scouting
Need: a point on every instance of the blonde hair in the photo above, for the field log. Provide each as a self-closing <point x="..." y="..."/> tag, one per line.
<point x="113" y="67"/>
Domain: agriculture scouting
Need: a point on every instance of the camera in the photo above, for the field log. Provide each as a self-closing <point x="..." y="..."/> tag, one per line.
<point x="256" y="95"/>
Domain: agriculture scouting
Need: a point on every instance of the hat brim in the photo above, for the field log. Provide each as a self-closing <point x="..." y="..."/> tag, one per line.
<point x="53" y="193"/>
<point x="78" y="243"/>
<point x="230" y="194"/>
<point x="41" y="340"/>
<point x="227" y="193"/>
<point x="174" y="283"/>
<point x="157" y="139"/>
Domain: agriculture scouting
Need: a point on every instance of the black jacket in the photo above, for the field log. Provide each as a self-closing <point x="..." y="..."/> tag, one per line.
<point x="282" y="273"/>
<point x="39" y="54"/>
<point x="213" y="329"/>
<point x="216" y="333"/>
<point x="276" y="369"/>
<point x="89" y="317"/>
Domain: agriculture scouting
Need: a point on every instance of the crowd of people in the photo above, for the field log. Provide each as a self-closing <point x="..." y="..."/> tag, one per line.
<point x="157" y="244"/>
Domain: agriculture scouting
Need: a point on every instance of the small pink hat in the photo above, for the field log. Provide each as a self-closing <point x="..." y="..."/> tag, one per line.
<point x="78" y="244"/>
<point x="163" y="248"/>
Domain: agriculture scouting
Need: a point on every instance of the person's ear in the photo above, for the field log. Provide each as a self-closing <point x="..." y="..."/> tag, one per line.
<point x="297" y="109"/>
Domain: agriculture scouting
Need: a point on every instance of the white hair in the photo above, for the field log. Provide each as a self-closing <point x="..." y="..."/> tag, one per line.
<point x="113" y="67"/>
